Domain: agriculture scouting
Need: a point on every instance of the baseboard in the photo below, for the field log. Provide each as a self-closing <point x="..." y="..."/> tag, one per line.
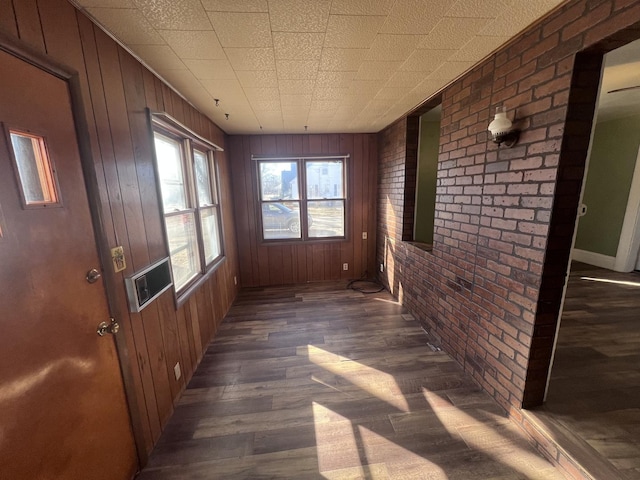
<point x="592" y="258"/>
<point x="573" y="456"/>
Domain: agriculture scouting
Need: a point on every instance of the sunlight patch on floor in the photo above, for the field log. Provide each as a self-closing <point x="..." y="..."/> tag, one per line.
<point x="393" y="302"/>
<point x="501" y="441"/>
<point x="375" y="382"/>
<point x="608" y="280"/>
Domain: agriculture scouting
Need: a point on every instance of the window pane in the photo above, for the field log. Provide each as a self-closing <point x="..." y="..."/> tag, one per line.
<point x="281" y="220"/>
<point x="210" y="234"/>
<point x="169" y="155"/>
<point x="183" y="247"/>
<point x="326" y="218"/>
<point x="325" y="179"/>
<point x="203" y="178"/>
<point x="279" y="180"/>
<point x="34" y="168"/>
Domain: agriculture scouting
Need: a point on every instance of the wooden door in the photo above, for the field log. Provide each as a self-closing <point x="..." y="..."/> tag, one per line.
<point x="63" y="412"/>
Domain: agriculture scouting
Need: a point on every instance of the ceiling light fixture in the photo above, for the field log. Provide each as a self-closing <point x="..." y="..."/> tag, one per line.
<point x="226" y="116"/>
<point x="502" y="130"/>
<point x="306" y="127"/>
<point x="217" y="100"/>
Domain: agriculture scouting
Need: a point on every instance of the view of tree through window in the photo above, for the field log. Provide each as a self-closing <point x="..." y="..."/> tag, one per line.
<point x="295" y="208"/>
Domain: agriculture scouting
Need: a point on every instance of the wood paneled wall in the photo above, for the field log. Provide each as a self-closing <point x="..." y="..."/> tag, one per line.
<point x="268" y="264"/>
<point x="116" y="89"/>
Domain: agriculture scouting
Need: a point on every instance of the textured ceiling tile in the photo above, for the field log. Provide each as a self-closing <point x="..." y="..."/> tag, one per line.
<point x="342" y="59"/>
<point x="298" y="46"/>
<point x="258" y="78"/>
<point x="108" y="3"/>
<point x="476" y="8"/>
<point x="453" y="33"/>
<point x="449" y="71"/>
<point x="181" y="79"/>
<point x="296" y="69"/>
<point x="426" y="60"/>
<point x="377" y="70"/>
<point x="334" y="79"/>
<point x="175" y="14"/>
<point x="318" y="105"/>
<point x="361" y="7"/>
<point x="414" y="16"/>
<point x="224" y="89"/>
<point x="406" y="80"/>
<point x="390" y="93"/>
<point x="425" y="89"/>
<point x="264" y="94"/>
<point x="128" y="25"/>
<point x="518" y="16"/>
<point x="479" y="47"/>
<point x="251" y="58"/>
<point x="189" y="44"/>
<point x="235" y="5"/>
<point x="159" y="57"/>
<point x="295" y="100"/>
<point x="267" y="105"/>
<point x="296" y="86"/>
<point x="299" y="15"/>
<point x="242" y="29"/>
<point x="295" y="115"/>
<point x="211" y="69"/>
<point x="346" y="31"/>
<point x="366" y="87"/>
<point x="332" y="93"/>
<point x="393" y="48"/>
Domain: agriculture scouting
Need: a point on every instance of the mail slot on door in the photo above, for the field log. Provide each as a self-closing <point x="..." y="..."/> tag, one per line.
<point x="148" y="284"/>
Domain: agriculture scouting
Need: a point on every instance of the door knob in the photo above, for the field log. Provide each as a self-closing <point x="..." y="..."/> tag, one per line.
<point x="93" y="275"/>
<point x="111" y="327"/>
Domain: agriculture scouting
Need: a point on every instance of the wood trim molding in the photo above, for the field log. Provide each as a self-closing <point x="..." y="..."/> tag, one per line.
<point x="593" y="258"/>
<point x="627" y="255"/>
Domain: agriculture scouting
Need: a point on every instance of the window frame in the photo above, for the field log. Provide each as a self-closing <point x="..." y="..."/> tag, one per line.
<point x="303" y="198"/>
<point x="190" y="142"/>
<point x="49" y="166"/>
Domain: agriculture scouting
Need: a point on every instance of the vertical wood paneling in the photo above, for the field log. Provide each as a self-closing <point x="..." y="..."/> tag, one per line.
<point x="8" y="23"/>
<point x="28" y="24"/>
<point x="115" y="227"/>
<point x="276" y="264"/>
<point x="115" y="91"/>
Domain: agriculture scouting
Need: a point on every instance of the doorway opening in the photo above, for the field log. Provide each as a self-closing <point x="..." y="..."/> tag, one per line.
<point x="593" y="393"/>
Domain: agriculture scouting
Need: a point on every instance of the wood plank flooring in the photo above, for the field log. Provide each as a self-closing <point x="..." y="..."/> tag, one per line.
<point x="318" y="381"/>
<point x="595" y="382"/>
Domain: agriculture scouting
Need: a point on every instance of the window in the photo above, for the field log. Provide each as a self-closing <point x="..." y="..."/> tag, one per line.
<point x="426" y="178"/>
<point x="302" y="198"/>
<point x="34" y="169"/>
<point x="187" y="178"/>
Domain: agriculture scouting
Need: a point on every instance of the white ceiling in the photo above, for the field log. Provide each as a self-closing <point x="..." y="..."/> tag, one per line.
<point x="332" y="65"/>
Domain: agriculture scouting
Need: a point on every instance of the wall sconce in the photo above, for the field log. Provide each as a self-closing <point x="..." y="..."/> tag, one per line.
<point x="502" y="130"/>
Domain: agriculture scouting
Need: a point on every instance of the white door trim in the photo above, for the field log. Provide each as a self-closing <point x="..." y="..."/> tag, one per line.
<point x="629" y="245"/>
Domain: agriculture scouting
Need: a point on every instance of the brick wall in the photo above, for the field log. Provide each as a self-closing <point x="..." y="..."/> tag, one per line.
<point x="490" y="290"/>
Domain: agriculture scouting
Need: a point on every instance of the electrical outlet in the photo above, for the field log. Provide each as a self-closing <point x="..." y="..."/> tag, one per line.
<point x="345" y="266"/>
<point x="176" y="371"/>
<point x="235" y="280"/>
<point x="382" y="267"/>
<point x="364" y="235"/>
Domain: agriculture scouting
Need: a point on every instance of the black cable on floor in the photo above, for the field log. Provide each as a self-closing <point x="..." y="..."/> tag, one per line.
<point x="364" y="285"/>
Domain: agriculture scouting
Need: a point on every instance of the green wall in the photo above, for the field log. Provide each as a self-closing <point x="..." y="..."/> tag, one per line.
<point x="611" y="166"/>
<point x="426" y="182"/>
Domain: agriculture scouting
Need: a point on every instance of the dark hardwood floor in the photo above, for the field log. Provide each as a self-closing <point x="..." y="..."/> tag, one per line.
<point x="318" y="381"/>
<point x="595" y="381"/>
